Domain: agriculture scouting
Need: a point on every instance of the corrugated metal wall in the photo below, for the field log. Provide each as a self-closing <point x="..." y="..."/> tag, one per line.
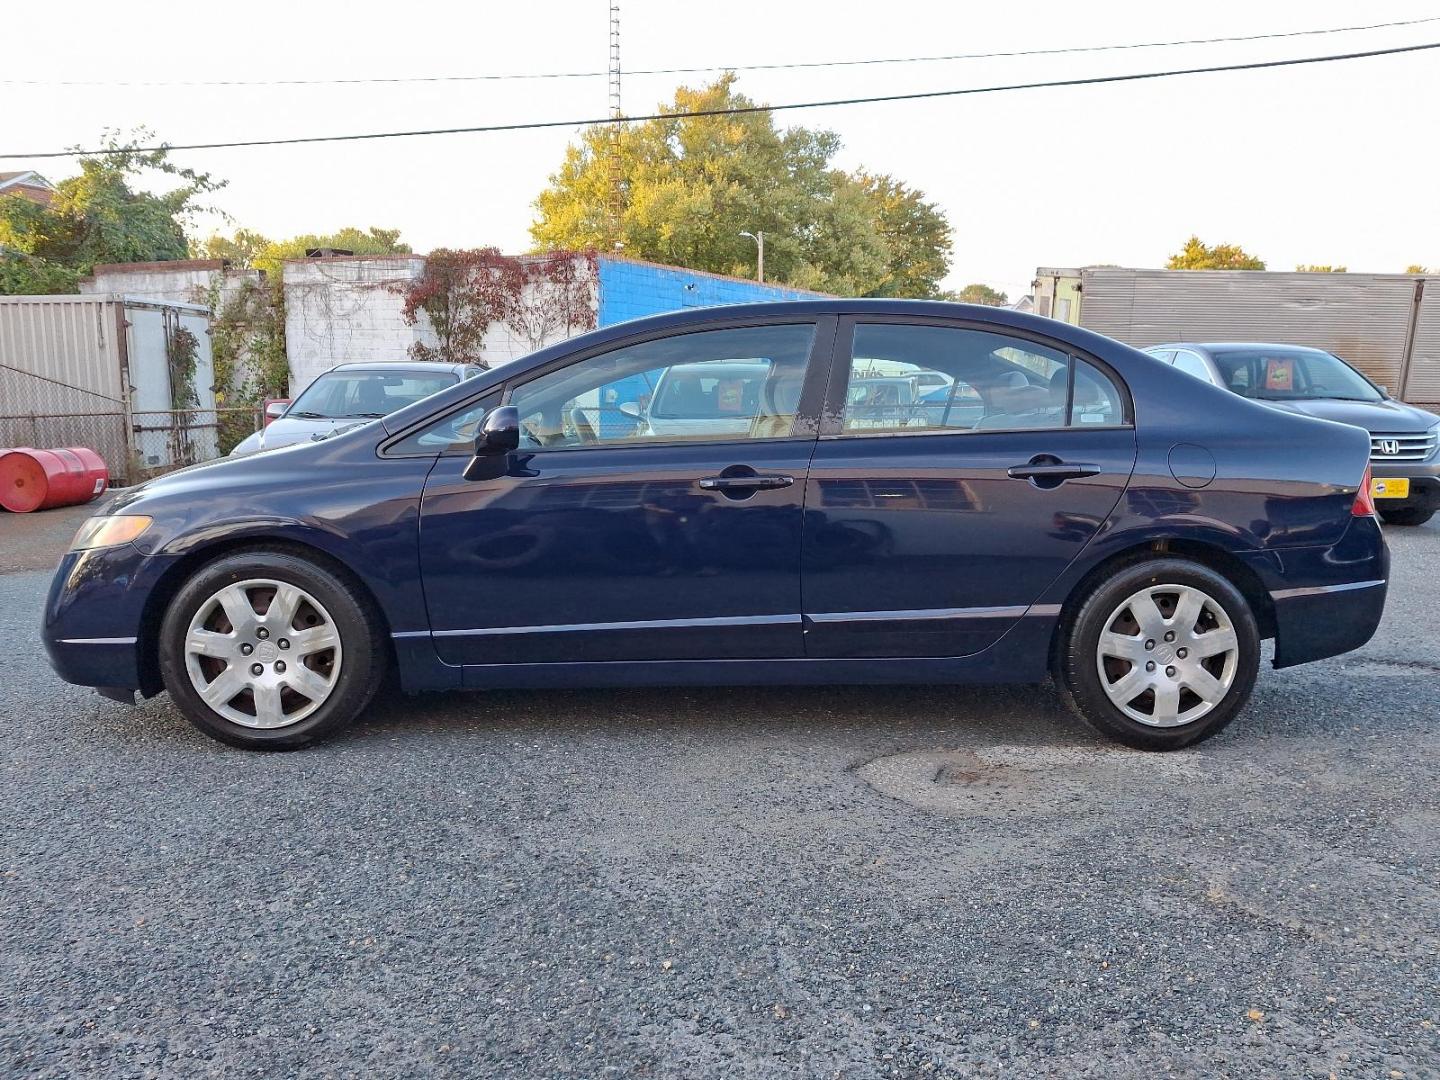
<point x="67" y="339"/>
<point x="1364" y="318"/>
<point x="1423" y="384"/>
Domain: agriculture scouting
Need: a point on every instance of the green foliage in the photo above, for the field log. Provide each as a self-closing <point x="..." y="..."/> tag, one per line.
<point x="1416" y="268"/>
<point x="97" y="217"/>
<point x="692" y="184"/>
<point x="1320" y="268"/>
<point x="1197" y="255"/>
<point x="247" y="346"/>
<point x="980" y="294"/>
<point x="247" y="248"/>
<point x="181" y="349"/>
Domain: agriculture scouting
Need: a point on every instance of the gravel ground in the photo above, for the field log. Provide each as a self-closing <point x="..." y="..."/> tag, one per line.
<point x="731" y="883"/>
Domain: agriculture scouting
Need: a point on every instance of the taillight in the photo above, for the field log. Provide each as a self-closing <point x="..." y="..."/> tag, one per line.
<point x="1364" y="504"/>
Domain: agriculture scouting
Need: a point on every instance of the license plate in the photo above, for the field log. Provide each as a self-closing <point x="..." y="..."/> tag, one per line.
<point x="1390" y="487"/>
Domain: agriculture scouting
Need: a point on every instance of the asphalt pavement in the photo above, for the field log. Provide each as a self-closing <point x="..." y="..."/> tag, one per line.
<point x="871" y="882"/>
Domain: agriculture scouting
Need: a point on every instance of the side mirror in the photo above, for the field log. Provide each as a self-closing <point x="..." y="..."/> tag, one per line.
<point x="276" y="409"/>
<point x="1384" y="391"/>
<point x="499" y="431"/>
<point x="630" y="409"/>
<point x="498" y="436"/>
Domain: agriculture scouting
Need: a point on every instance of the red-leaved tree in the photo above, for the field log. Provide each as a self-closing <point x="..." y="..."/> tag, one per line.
<point x="464" y="293"/>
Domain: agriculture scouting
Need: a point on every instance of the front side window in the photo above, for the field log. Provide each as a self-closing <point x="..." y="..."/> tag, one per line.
<point x="1191" y="364"/>
<point x="713" y="385"/>
<point x="908" y="377"/>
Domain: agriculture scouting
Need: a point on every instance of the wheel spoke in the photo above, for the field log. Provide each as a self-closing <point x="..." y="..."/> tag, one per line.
<point x="1214" y="642"/>
<point x="1124" y="689"/>
<point x="268" y="712"/>
<point x="229" y="683"/>
<point x="1167" y="703"/>
<point x="286" y="602"/>
<point x="1187" y="611"/>
<point x="1123" y="646"/>
<point x="238" y="609"/>
<point x="209" y="643"/>
<point x="1147" y="613"/>
<point x="1205" y="686"/>
<point x="303" y="680"/>
<point x="315" y="639"/>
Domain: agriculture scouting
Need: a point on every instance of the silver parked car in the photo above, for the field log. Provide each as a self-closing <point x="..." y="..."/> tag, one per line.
<point x="352" y="394"/>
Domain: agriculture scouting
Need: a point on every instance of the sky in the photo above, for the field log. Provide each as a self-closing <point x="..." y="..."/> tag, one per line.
<point x="1334" y="163"/>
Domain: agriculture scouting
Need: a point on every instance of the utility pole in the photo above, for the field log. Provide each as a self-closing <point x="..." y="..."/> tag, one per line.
<point x="617" y="177"/>
<point x="759" y="238"/>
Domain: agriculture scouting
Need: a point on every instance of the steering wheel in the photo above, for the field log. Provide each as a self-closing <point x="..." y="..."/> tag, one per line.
<point x="583" y="428"/>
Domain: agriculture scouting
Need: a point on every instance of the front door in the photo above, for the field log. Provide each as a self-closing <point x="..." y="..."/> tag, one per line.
<point x="959" y="472"/>
<point x="663" y="528"/>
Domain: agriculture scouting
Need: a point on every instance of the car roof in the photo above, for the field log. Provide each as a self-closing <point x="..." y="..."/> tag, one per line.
<point x="1236" y="346"/>
<point x="413" y="366"/>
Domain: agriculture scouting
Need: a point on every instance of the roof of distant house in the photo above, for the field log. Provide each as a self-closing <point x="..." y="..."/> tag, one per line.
<point x="27" y="184"/>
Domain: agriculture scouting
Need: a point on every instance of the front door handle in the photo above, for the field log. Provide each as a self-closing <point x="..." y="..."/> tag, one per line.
<point x="745" y="483"/>
<point x="1052" y="471"/>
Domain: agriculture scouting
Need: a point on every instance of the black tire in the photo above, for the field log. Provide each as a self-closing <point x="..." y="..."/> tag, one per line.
<point x="1406" y="515"/>
<point x="366" y="657"/>
<point x="1086" y="619"/>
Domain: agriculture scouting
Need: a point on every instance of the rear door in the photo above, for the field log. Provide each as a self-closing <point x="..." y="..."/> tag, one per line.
<point x="610" y="536"/>
<point x="931" y="528"/>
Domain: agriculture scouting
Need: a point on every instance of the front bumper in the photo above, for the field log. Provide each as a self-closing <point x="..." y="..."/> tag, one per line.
<point x="1424" y="477"/>
<point x="94" y="622"/>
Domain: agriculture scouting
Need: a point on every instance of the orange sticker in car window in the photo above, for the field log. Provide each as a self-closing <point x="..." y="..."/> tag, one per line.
<point x="730" y="395"/>
<point x="1279" y="373"/>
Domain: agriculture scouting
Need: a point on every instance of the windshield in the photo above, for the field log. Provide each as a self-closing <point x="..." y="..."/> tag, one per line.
<point x="356" y="395"/>
<point x="1293" y="375"/>
<point x="710" y="391"/>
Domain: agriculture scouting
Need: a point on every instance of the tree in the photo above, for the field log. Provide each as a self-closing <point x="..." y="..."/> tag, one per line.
<point x="555" y="298"/>
<point x="99" y="216"/>
<point x="692" y="184"/>
<point x="1416" y="268"/>
<point x="247" y="248"/>
<point x="1196" y="255"/>
<point x="980" y="294"/>
<point x="462" y="293"/>
<point x="1320" y="268"/>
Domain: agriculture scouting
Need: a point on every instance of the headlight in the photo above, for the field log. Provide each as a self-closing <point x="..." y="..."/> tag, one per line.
<point x="101" y="532"/>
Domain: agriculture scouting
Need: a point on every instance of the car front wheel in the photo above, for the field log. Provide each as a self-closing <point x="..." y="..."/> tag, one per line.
<point x="267" y="650"/>
<point x="1161" y="655"/>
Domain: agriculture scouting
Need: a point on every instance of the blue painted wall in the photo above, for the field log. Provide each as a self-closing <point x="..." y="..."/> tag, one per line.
<point x="631" y="290"/>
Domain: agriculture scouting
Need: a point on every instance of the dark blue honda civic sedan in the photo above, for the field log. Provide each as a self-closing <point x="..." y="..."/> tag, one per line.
<point x="811" y="492"/>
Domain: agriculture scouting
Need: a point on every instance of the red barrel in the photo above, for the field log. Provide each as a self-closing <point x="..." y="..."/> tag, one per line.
<point x="33" y="479"/>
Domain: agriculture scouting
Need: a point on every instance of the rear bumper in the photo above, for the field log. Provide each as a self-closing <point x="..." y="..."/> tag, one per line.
<point x="1328" y="601"/>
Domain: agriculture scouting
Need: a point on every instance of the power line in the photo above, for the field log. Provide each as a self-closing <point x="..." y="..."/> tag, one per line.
<point x="536" y="125"/>
<point x="504" y="77"/>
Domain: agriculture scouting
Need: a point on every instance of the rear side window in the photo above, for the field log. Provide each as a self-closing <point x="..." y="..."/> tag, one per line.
<point x="910" y="377"/>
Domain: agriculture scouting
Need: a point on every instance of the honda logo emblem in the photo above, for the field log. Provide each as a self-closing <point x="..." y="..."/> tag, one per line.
<point x="1390" y="447"/>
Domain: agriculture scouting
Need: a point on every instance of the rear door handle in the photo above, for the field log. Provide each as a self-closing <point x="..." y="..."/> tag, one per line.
<point x="745" y="483"/>
<point x="1060" y="470"/>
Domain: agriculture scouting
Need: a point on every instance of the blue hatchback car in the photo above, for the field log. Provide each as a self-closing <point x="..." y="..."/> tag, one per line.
<point x="1059" y="506"/>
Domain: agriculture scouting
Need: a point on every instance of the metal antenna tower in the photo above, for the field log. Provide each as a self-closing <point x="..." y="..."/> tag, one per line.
<point x="617" y="180"/>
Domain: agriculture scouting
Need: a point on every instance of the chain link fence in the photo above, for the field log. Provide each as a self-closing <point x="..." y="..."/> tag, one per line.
<point x="42" y="412"/>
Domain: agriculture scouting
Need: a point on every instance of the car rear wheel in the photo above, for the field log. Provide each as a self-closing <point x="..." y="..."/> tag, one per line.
<point x="1161" y="655"/>
<point x="269" y="651"/>
<point x="1405" y="515"/>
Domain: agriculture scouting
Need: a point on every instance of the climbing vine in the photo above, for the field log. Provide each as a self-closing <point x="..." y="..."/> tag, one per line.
<point x="181" y="349"/>
<point x="247" y="344"/>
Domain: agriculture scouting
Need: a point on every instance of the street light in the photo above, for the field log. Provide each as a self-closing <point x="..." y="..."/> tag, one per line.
<point x="759" y="238"/>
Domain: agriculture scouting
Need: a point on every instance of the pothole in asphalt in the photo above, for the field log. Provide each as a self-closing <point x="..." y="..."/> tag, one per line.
<point x="1003" y="780"/>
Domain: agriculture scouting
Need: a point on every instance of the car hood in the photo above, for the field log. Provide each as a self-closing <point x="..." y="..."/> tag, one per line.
<point x="288" y="430"/>
<point x="1371" y="415"/>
